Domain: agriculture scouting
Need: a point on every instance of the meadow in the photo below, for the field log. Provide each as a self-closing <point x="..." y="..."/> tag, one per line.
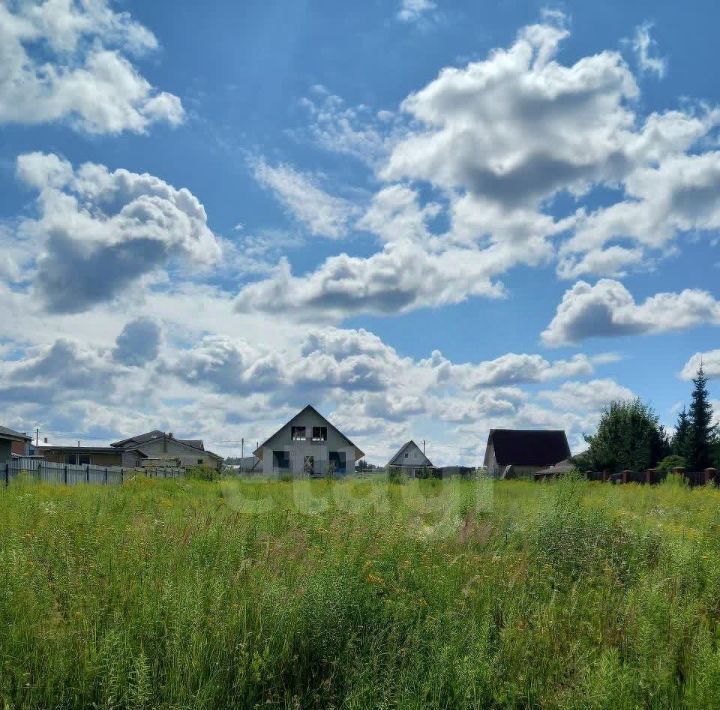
<point x="359" y="594"/>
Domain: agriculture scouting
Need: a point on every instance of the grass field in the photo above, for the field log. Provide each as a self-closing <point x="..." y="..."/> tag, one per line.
<point x="359" y="594"/>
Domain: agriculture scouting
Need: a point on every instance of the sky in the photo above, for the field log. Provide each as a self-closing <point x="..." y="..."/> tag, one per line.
<point x="426" y="218"/>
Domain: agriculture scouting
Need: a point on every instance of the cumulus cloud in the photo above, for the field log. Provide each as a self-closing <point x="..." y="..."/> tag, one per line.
<point x="138" y="343"/>
<point x="323" y="214"/>
<point x="65" y="60"/>
<point x="587" y="396"/>
<point x="609" y="309"/>
<point x="489" y="146"/>
<point x="710" y="362"/>
<point x="398" y="279"/>
<point x="99" y="231"/>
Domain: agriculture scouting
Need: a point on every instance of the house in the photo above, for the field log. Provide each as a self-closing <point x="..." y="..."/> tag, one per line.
<point x="95" y="455"/>
<point x="154" y="448"/>
<point x="522" y="452"/>
<point x="562" y="468"/>
<point x="411" y="460"/>
<point x="159" y="447"/>
<point x="308" y="445"/>
<point x="13" y="443"/>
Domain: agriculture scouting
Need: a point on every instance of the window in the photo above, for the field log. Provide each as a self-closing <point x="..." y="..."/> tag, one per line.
<point x="407" y="454"/>
<point x="309" y="465"/>
<point x="319" y="433"/>
<point x="298" y="433"/>
<point x="201" y="460"/>
<point x="73" y="459"/>
<point x="337" y="461"/>
<point x="281" y="460"/>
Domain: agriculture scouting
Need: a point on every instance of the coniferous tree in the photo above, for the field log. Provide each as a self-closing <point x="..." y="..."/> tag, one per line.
<point x="701" y="430"/>
<point x="680" y="438"/>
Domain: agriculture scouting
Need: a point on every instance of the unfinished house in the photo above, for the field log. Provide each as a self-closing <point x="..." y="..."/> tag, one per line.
<point x="410" y="460"/>
<point x="512" y="453"/>
<point x="156" y="448"/>
<point x="308" y="445"/>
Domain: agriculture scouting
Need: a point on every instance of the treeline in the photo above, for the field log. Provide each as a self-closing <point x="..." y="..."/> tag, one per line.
<point x="630" y="436"/>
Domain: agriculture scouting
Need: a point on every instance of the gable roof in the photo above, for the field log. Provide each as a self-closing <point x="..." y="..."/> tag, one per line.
<point x="7" y="433"/>
<point x="139" y="439"/>
<point x="398" y="459"/>
<point x="359" y="453"/>
<point x="135" y="442"/>
<point x="527" y="447"/>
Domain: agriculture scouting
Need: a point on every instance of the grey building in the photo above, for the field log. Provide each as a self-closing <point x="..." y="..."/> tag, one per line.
<point x="410" y="459"/>
<point x="13" y="443"/>
<point x="308" y="445"/>
<point x="157" y="447"/>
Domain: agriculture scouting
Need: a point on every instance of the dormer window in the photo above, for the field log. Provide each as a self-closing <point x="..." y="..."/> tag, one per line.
<point x="298" y="433"/>
<point x="319" y="433"/>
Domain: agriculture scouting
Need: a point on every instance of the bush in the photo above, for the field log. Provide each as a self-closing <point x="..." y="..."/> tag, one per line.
<point x="202" y="473"/>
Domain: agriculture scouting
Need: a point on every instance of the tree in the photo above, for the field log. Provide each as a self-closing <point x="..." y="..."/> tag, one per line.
<point x="629" y="436"/>
<point x="680" y="438"/>
<point x="701" y="430"/>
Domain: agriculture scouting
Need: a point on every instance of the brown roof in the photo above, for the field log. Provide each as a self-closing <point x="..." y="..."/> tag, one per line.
<point x="528" y="447"/>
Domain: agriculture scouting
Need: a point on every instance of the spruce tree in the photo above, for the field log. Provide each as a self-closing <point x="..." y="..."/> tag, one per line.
<point x="701" y="430"/>
<point x="680" y="438"/>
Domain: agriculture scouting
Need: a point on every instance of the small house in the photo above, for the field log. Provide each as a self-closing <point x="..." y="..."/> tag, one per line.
<point x="13" y="443"/>
<point x="411" y="460"/>
<point x="512" y="453"/>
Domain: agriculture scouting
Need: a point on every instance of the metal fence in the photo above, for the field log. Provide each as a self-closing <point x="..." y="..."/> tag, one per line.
<point x="71" y="474"/>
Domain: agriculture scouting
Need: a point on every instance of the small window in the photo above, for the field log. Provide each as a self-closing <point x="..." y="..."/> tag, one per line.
<point x="201" y="460"/>
<point x="298" y="433"/>
<point x="319" y="433"/>
<point x="407" y="455"/>
<point x="75" y="459"/>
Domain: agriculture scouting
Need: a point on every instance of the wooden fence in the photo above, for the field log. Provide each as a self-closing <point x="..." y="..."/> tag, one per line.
<point x="650" y="477"/>
<point x="71" y="474"/>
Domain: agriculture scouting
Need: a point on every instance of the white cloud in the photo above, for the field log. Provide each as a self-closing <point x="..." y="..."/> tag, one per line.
<point x="586" y="396"/>
<point x="609" y="309"/>
<point x="64" y="60"/>
<point x="398" y="279"/>
<point x="323" y="214"/>
<point x="98" y="231"/>
<point x="643" y="44"/>
<point x="710" y="362"/>
<point x="414" y="10"/>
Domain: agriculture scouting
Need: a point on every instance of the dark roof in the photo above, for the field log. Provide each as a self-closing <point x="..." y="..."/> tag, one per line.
<point x="528" y="447"/>
<point x="141" y="439"/>
<point x="6" y="433"/>
<point x="82" y="449"/>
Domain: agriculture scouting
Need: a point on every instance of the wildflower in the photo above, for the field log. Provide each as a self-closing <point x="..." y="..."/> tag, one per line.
<point x="374" y="579"/>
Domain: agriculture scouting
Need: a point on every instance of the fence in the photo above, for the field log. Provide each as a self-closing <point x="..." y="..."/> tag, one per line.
<point x="651" y="476"/>
<point x="71" y="474"/>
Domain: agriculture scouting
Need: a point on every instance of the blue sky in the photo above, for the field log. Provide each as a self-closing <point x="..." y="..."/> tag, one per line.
<point x="427" y="218"/>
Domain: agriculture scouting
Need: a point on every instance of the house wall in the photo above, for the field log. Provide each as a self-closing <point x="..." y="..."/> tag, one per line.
<point x="5" y="450"/>
<point x="172" y="449"/>
<point x="415" y="457"/>
<point x="19" y="448"/>
<point x="96" y="459"/>
<point x="298" y="450"/>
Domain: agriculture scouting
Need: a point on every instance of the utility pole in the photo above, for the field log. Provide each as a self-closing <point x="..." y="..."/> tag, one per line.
<point x="78" y="455"/>
<point x="242" y="448"/>
<point x="423" y="447"/>
<point x="37" y="438"/>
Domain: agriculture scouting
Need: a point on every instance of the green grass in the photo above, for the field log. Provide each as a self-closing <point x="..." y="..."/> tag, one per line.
<point x="357" y="594"/>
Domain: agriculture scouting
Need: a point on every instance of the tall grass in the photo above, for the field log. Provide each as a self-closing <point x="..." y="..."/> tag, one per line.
<point x="353" y="594"/>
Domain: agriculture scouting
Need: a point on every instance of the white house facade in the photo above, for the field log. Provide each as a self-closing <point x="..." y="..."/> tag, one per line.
<point x="308" y="445"/>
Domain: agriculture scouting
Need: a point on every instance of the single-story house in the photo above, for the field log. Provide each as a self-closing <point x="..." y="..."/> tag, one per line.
<point x="95" y="455"/>
<point x="559" y="469"/>
<point x="159" y="446"/>
<point x="308" y="445"/>
<point x="13" y="443"/>
<point x="411" y="460"/>
<point x="521" y="452"/>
